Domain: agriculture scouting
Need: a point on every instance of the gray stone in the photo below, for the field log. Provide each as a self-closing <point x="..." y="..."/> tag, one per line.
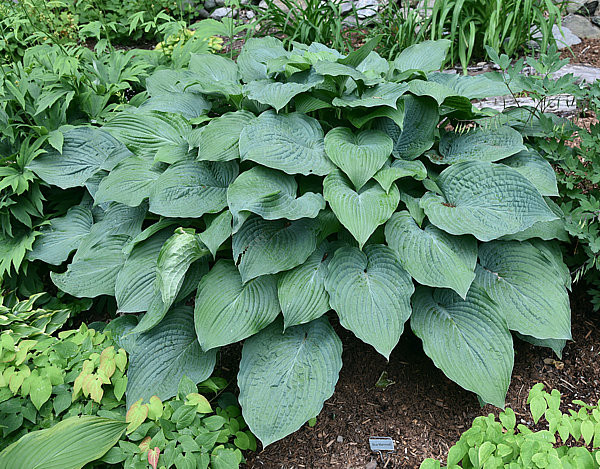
<point x="220" y="3"/>
<point x="371" y="465"/>
<point x="250" y="14"/>
<point x="263" y="5"/>
<point x="366" y="8"/>
<point x="574" y="5"/>
<point x="223" y="12"/>
<point x="595" y="20"/>
<point x="566" y="38"/>
<point x="203" y="13"/>
<point x="210" y="4"/>
<point x="582" y="73"/>
<point x="588" y="9"/>
<point x="581" y="27"/>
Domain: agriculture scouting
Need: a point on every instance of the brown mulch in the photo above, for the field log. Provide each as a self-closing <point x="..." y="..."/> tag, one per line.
<point x="587" y="52"/>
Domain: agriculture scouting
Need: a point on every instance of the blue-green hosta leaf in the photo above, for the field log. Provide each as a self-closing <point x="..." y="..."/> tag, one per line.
<point x="218" y="140"/>
<point x="262" y="247"/>
<point x="135" y="284"/>
<point x="62" y="236"/>
<point x="285" y="378"/>
<point x="426" y="56"/>
<point x="413" y="207"/>
<point x="397" y="169"/>
<point x="129" y="183"/>
<point x="301" y="291"/>
<point x="467" y="339"/>
<point x="360" y="155"/>
<point x="361" y="212"/>
<point x="116" y="219"/>
<point x="359" y="117"/>
<point x="383" y="94"/>
<point x="553" y="252"/>
<point x="277" y="94"/>
<point x="437" y="91"/>
<point x="70" y="444"/>
<point x="557" y="345"/>
<point x="292" y="143"/>
<point x="119" y="329"/>
<point x="480" y="144"/>
<point x="189" y="105"/>
<point x="164" y="82"/>
<point x="86" y="150"/>
<point x="374" y="66"/>
<point x="371" y="293"/>
<point x="189" y="189"/>
<point x="545" y="230"/>
<point x="535" y="168"/>
<point x="228" y="310"/>
<point x="335" y="69"/>
<point x="163" y="355"/>
<point x="147" y="132"/>
<point x="527" y="287"/>
<point x="486" y="200"/>
<point x="270" y="194"/>
<point x="255" y="54"/>
<point x="432" y="256"/>
<point x="216" y="74"/>
<point x="417" y="135"/>
<point x="471" y="87"/>
<point x="218" y="230"/>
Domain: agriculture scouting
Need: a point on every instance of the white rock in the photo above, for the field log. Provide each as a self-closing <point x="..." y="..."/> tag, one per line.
<point x="223" y="12"/>
<point x="566" y="38"/>
<point x="250" y="14"/>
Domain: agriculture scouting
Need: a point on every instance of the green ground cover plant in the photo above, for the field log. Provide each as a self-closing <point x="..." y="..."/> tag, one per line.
<point x="501" y="443"/>
<point x="269" y="191"/>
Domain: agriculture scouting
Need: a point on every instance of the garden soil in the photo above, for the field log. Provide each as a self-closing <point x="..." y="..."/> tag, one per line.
<point x="423" y="411"/>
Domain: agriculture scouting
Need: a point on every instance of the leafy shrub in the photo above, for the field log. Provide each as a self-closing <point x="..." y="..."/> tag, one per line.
<point x="301" y="182"/>
<point x="497" y="444"/>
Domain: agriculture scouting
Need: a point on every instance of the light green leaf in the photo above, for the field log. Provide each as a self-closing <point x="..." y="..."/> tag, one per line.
<point x="277" y="94"/>
<point x="40" y="390"/>
<point x="86" y="150"/>
<point x="335" y="69"/>
<point x="69" y="444"/>
<point x="383" y="94"/>
<point x="228" y="311"/>
<point x="255" y="54"/>
<point x="189" y="105"/>
<point x="162" y="356"/>
<point x="285" y="378"/>
<point x="471" y="87"/>
<point x="59" y="238"/>
<point x="363" y="211"/>
<point x="467" y="339"/>
<point x="163" y="82"/>
<point x="292" y="143"/>
<point x="397" y="169"/>
<point x="272" y="195"/>
<point x="371" y="292"/>
<point x="486" y="200"/>
<point x="431" y="256"/>
<point x="218" y="140"/>
<point x="527" y="287"/>
<point x="426" y="56"/>
<point x="223" y="458"/>
<point x="218" y="230"/>
<point x="215" y="73"/>
<point x="359" y="155"/>
<point x="192" y="188"/>
<point x="535" y="168"/>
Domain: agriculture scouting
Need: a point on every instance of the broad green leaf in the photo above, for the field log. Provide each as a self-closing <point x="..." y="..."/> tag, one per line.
<point x="135" y="284"/>
<point x="272" y="195"/>
<point x="222" y="458"/>
<point x="527" y="287"/>
<point x="335" y="69"/>
<point x="292" y="143"/>
<point x="255" y="54"/>
<point x="437" y="91"/>
<point x="480" y="144"/>
<point x="431" y="256"/>
<point x="129" y="183"/>
<point x="285" y="378"/>
<point x="535" y="168"/>
<point x="263" y="247"/>
<point x="218" y="140"/>
<point x="86" y="150"/>
<point x="163" y="355"/>
<point x="40" y="390"/>
<point x="426" y="56"/>
<point x="557" y="345"/>
<point x="189" y="105"/>
<point x="117" y="219"/>
<point x="397" y="169"/>
<point x="545" y="230"/>
<point x="163" y="82"/>
<point x="301" y="291"/>
<point x="362" y="57"/>
<point x="361" y="212"/>
<point x="70" y="444"/>
<point x="417" y="135"/>
<point x="383" y="94"/>
<point x="467" y="339"/>
<point x="471" y="87"/>
<point x="216" y="74"/>
<point x="370" y="291"/>
<point x="192" y="188"/>
<point x="359" y="155"/>
<point x="277" y="94"/>
<point x="119" y="329"/>
<point x="486" y="200"/>
<point x="61" y="236"/>
<point x="359" y="117"/>
<point x="218" y="230"/>
<point x="228" y="311"/>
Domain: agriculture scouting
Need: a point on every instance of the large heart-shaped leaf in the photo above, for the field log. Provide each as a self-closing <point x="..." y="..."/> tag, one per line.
<point x="545" y="230"/>
<point x="70" y="444"/>
<point x="398" y="169"/>
<point x="192" y="188"/>
<point x="272" y="195"/>
<point x="527" y="288"/>
<point x="189" y="105"/>
<point x="228" y="311"/>
<point x="292" y="143"/>
<point x="301" y="291"/>
<point x="215" y="73"/>
<point x="277" y="94"/>
<point x="163" y="355"/>
<point x="467" y="339"/>
<point x="255" y="54"/>
<point x="359" y="155"/>
<point x="371" y="292"/>
<point x="163" y="82"/>
<point x="218" y="230"/>
<point x="383" y="94"/>
<point x="62" y="236"/>
<point x="218" y="140"/>
<point x="471" y="87"/>
<point x="535" y="168"/>
<point x="432" y="256"/>
<point x="426" y="56"/>
<point x="480" y="144"/>
<point x="486" y="200"/>
<point x="285" y="378"/>
<point x="361" y="212"/>
<point x="85" y="151"/>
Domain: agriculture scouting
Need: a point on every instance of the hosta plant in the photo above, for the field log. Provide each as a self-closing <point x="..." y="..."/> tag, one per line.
<point x="278" y="191"/>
